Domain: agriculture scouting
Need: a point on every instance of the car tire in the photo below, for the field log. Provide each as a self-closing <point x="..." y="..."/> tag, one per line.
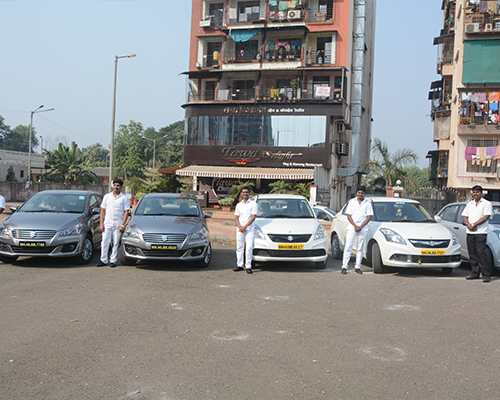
<point x="87" y="252"/>
<point x="447" y="271"/>
<point x="336" y="252"/>
<point x="125" y="260"/>
<point x="321" y="264"/>
<point x="377" y="265"/>
<point x="205" y="262"/>
<point x="7" y="259"/>
<point x="489" y="259"/>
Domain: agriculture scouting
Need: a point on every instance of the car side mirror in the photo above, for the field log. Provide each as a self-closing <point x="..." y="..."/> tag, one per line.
<point x="438" y="218"/>
<point x="322" y="215"/>
<point x="13" y="209"/>
<point x="209" y="214"/>
<point x="96" y="210"/>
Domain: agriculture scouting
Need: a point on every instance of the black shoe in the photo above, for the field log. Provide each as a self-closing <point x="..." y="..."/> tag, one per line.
<point x="358" y="271"/>
<point x="249" y="271"/>
<point x="100" y="264"/>
<point x="238" y="269"/>
<point x="112" y="265"/>
<point x="486" y="279"/>
<point x="471" y="277"/>
<point x="344" y="271"/>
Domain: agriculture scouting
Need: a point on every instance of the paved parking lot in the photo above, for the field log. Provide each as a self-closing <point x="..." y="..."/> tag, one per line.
<point x="171" y="331"/>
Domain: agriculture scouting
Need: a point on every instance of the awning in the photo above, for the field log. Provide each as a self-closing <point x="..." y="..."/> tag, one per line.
<point x="443" y="38"/>
<point x="204" y="171"/>
<point x="437" y="84"/>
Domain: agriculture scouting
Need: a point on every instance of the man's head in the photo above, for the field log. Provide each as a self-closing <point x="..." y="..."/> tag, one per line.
<point x="360" y="192"/>
<point x="117" y="185"/>
<point x="245" y="193"/>
<point x="477" y="192"/>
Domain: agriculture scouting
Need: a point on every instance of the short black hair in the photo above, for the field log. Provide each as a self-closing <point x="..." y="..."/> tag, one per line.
<point x="117" y="180"/>
<point x="362" y="188"/>
<point x="477" y="187"/>
<point x="245" y="187"/>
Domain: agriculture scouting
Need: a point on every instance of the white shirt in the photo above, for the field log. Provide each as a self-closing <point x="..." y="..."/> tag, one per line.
<point x="115" y="209"/>
<point x="477" y="211"/>
<point x="2" y="202"/>
<point x="359" y="212"/>
<point x="244" y="211"/>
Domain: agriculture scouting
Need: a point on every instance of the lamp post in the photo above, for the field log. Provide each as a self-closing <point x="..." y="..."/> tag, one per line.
<point x="112" y="145"/>
<point x="38" y="110"/>
<point x="41" y="152"/>
<point x="154" y="147"/>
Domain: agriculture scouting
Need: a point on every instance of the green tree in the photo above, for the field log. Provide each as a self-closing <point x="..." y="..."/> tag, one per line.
<point x="389" y="167"/>
<point x="169" y="184"/>
<point x="236" y="189"/>
<point x="65" y="165"/>
<point x="280" y="187"/>
<point x="303" y="189"/>
<point x="17" y="139"/>
<point x="11" y="176"/>
<point x="130" y="151"/>
<point x="95" y="155"/>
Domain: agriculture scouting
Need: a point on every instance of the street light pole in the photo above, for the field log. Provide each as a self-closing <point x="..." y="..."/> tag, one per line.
<point x="38" y="110"/>
<point x="112" y="144"/>
<point x="154" y="147"/>
<point x="41" y="152"/>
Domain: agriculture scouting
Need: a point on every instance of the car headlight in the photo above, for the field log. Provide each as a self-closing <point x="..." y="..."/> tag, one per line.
<point x="198" y="236"/>
<point x="392" y="236"/>
<point x="131" y="233"/>
<point x="4" y="231"/>
<point x="320" y="233"/>
<point x="257" y="233"/>
<point x="455" y="240"/>
<point x="73" y="231"/>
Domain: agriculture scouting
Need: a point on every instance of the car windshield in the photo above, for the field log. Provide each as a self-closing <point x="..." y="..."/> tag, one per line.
<point x="284" y="208"/>
<point x="495" y="216"/>
<point x="174" y="206"/>
<point x="400" y="212"/>
<point x="60" y="203"/>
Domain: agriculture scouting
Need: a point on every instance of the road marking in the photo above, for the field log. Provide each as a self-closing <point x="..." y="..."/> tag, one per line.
<point x="176" y="306"/>
<point x="228" y="336"/>
<point x="396" y="307"/>
<point x="384" y="353"/>
<point x="277" y="298"/>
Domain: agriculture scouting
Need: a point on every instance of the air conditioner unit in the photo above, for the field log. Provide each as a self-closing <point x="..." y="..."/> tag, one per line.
<point x="340" y="127"/>
<point x="488" y="28"/>
<point x="294" y="14"/>
<point x="471" y="28"/>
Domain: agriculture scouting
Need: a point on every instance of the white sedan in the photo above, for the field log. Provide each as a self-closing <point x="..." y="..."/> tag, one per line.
<point x="401" y="233"/>
<point x="286" y="229"/>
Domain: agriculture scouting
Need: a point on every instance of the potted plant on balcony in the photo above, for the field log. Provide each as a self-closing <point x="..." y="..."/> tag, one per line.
<point x="293" y="84"/>
<point x="226" y="203"/>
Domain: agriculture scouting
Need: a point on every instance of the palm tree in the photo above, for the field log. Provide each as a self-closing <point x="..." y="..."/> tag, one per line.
<point x="388" y="167"/>
<point x="280" y="187"/>
<point x="303" y="189"/>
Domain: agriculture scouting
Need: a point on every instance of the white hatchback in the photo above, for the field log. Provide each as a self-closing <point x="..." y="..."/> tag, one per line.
<point x="402" y="233"/>
<point x="286" y="229"/>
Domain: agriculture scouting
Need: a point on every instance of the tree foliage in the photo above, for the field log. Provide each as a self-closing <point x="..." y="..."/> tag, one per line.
<point x="17" y="139"/>
<point x="280" y="187"/>
<point x="11" y="176"/>
<point x="95" y="155"/>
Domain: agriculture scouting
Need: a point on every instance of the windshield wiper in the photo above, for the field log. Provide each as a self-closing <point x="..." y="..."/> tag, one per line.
<point x="41" y="211"/>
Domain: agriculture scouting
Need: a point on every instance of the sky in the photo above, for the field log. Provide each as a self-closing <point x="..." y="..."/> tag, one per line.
<point x="60" y="54"/>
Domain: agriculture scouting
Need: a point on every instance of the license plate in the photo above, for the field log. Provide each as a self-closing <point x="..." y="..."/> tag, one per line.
<point x="163" y="247"/>
<point x="290" y="246"/>
<point x="31" y="244"/>
<point x="432" y="252"/>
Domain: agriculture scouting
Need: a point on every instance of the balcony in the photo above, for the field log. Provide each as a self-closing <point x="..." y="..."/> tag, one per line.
<point x="319" y="15"/>
<point x="213" y="21"/>
<point x="483" y="17"/>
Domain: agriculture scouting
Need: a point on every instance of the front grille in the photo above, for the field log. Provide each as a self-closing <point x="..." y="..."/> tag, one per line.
<point x="163" y="238"/>
<point x="30" y="234"/>
<point x="32" y="250"/>
<point x="289" y="253"/>
<point x="286" y="238"/>
<point x="163" y="253"/>
<point x="430" y="244"/>
<point x="431" y="259"/>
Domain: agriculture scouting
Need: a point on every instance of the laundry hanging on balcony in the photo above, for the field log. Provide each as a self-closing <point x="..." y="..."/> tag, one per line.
<point x="242" y="35"/>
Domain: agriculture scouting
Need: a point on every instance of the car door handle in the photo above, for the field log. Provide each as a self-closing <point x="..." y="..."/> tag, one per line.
<point x="456" y="227"/>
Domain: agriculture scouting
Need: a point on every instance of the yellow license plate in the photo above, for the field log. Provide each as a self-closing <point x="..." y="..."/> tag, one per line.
<point x="163" y="247"/>
<point x="432" y="252"/>
<point x="32" y="244"/>
<point x="290" y="246"/>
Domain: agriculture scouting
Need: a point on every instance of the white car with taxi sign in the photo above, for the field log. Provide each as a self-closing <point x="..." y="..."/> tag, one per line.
<point x="402" y="233"/>
<point x="287" y="230"/>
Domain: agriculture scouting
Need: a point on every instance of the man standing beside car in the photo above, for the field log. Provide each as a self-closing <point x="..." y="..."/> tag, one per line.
<point x="245" y="214"/>
<point x="359" y="213"/>
<point x="114" y="214"/>
<point x="476" y="215"/>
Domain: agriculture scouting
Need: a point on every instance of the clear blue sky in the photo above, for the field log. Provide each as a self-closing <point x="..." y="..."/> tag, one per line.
<point x="60" y="53"/>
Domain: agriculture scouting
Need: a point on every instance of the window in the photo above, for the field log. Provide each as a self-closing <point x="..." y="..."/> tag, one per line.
<point x="449" y="213"/>
<point x="248" y="11"/>
<point x="21" y="174"/>
<point x="243" y="90"/>
<point x="482" y="160"/>
<point x="247" y="50"/>
<point x="321" y="81"/>
<point x="213" y="54"/>
<point x="324" y="50"/>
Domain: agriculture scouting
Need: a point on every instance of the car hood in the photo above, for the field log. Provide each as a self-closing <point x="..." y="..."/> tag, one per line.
<point x="286" y="226"/>
<point x="166" y="224"/>
<point x="418" y="230"/>
<point x="43" y="221"/>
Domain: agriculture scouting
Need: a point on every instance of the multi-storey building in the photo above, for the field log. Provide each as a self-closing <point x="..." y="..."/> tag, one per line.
<point x="279" y="90"/>
<point x="465" y="101"/>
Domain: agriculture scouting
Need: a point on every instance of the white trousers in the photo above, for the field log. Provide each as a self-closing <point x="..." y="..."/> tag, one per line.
<point x="244" y="246"/>
<point x="110" y="232"/>
<point x="350" y="237"/>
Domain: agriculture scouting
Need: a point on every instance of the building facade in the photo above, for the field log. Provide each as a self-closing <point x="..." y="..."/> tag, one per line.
<point x="279" y="90"/>
<point x="465" y="101"/>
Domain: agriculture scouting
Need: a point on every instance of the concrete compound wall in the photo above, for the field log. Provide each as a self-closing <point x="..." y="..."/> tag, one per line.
<point x="17" y="191"/>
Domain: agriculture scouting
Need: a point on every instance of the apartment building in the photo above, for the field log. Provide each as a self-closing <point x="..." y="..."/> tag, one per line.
<point x="279" y="90"/>
<point x="465" y="101"/>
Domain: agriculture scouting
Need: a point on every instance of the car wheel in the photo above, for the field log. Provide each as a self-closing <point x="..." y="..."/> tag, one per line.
<point x="321" y="264"/>
<point x="377" y="265"/>
<point x="7" y="259"/>
<point x="489" y="259"/>
<point x="87" y="251"/>
<point x="336" y="252"/>
<point x="447" y="271"/>
<point x="205" y="262"/>
<point x="125" y="260"/>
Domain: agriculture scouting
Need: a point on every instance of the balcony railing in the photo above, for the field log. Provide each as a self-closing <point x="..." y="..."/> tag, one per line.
<point x="316" y="15"/>
<point x="241" y="56"/>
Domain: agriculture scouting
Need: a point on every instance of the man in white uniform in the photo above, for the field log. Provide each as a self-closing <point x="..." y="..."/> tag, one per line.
<point x="114" y="215"/>
<point x="2" y="204"/>
<point x="245" y="214"/>
<point x="359" y="213"/>
<point x="476" y="215"/>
